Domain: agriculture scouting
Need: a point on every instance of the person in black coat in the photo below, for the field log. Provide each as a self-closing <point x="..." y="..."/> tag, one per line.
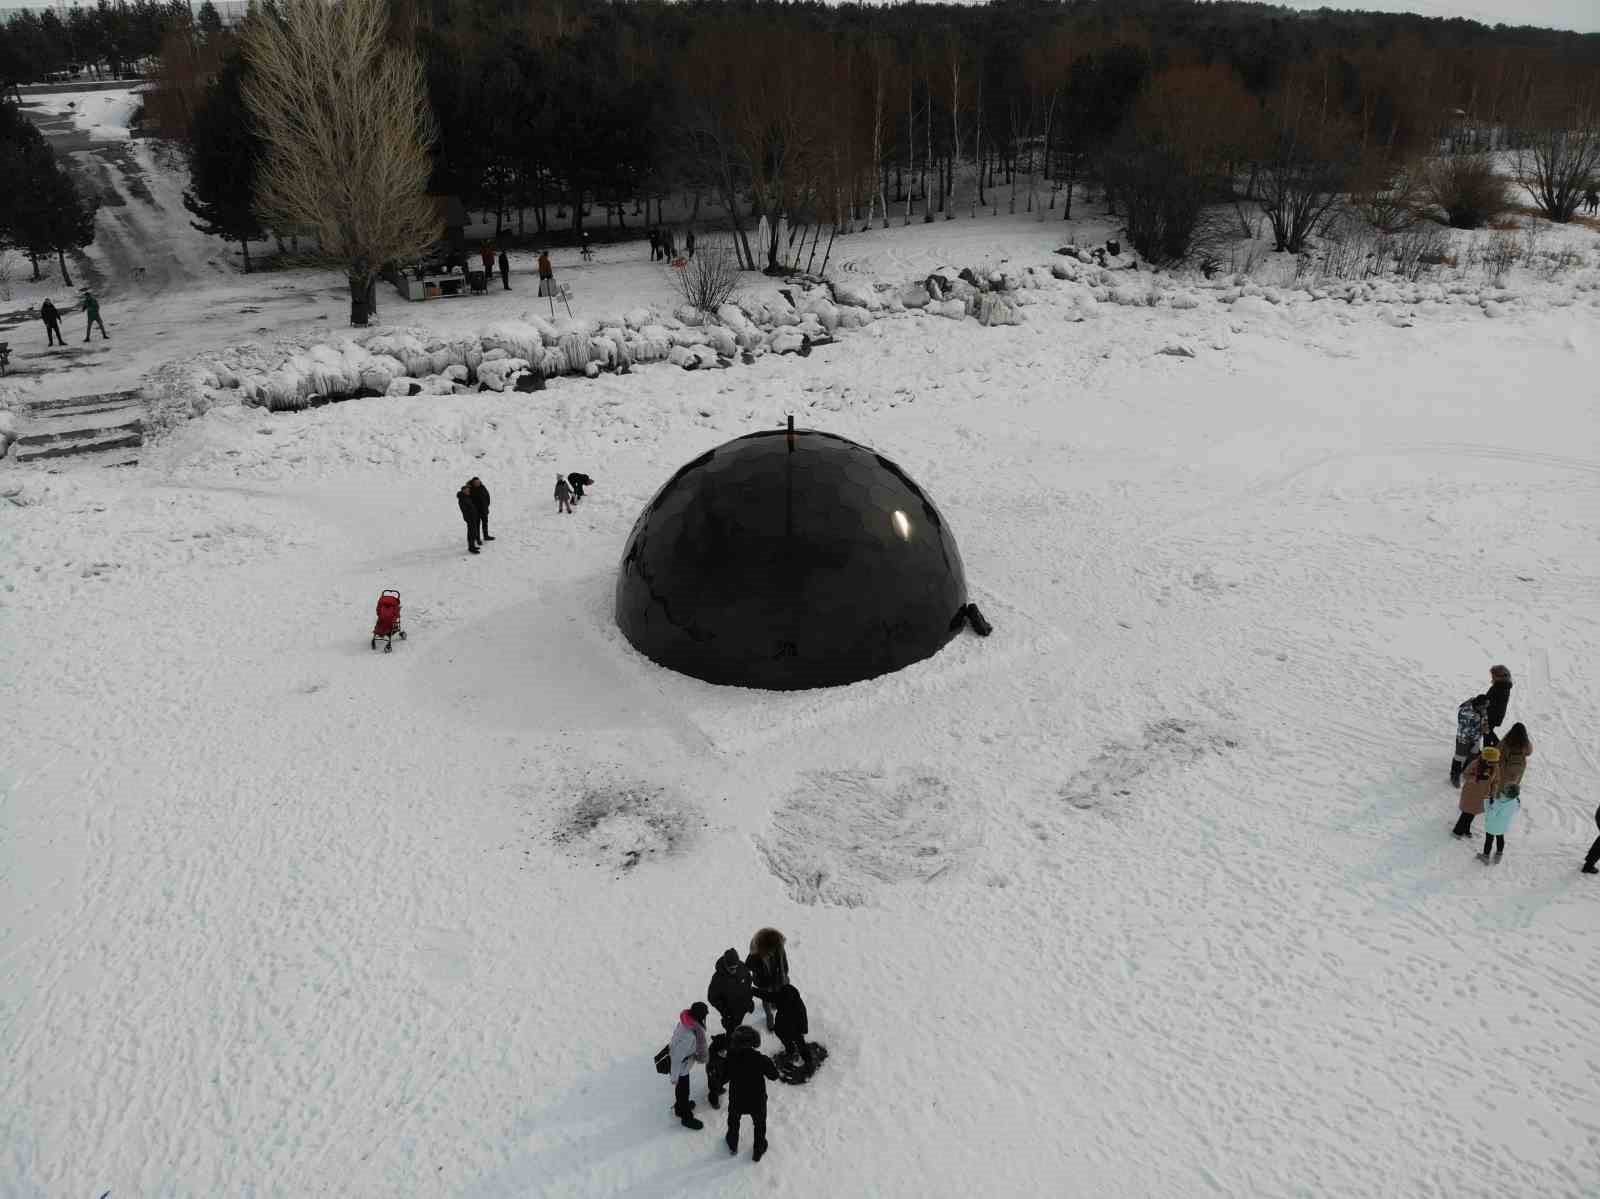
<point x="729" y="991"/>
<point x="791" y="1026"/>
<point x="1499" y="696"/>
<point x="748" y="1071"/>
<point x="469" y="513"/>
<point x="505" y="270"/>
<point x="51" y="316"/>
<point x="577" y="480"/>
<point x="480" y="496"/>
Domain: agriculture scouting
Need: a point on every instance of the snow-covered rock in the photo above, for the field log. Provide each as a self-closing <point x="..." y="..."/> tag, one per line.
<point x="501" y="373"/>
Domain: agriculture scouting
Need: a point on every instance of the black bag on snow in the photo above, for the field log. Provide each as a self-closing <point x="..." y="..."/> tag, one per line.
<point x="664" y="1059"/>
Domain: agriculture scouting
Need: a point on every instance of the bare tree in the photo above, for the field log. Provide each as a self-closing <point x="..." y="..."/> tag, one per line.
<point x="344" y="111"/>
<point x="711" y="278"/>
<point x="1559" y="161"/>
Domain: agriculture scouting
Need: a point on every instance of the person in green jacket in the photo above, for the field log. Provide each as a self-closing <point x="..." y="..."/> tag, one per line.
<point x="91" y="309"/>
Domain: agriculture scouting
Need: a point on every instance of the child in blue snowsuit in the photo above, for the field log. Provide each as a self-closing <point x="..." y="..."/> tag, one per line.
<point x="1496" y="821"/>
<point x="1469" y="729"/>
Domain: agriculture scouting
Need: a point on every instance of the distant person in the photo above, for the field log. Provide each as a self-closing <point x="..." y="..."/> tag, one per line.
<point x="730" y="992"/>
<point x="480" y="496"/>
<point x="1479" y="782"/>
<point x="688" y="242"/>
<point x="91" y="309"/>
<point x="1589" y="866"/>
<point x="791" y="1026"/>
<point x="688" y="1046"/>
<point x="669" y="245"/>
<point x="1516" y="747"/>
<point x="577" y="480"/>
<point x="505" y="271"/>
<point x="563" y="495"/>
<point x="469" y="513"/>
<point x="1499" y="694"/>
<point x="748" y="1072"/>
<point x="1469" y="728"/>
<point x="547" y="275"/>
<point x="51" y="316"/>
<point x="768" y="965"/>
<point x="655" y="244"/>
<point x="1591" y="201"/>
<point x="585" y="250"/>
<point x="486" y="256"/>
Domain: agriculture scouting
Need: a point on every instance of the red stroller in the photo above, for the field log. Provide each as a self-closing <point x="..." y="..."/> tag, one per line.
<point x="388" y="626"/>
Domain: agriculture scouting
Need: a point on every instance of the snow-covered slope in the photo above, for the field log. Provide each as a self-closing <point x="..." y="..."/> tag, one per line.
<point x="1150" y="893"/>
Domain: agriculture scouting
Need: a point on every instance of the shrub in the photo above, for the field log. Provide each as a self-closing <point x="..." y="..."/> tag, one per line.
<point x="711" y="278"/>
<point x="1162" y="198"/>
<point x="1386" y="196"/>
<point x="1467" y="189"/>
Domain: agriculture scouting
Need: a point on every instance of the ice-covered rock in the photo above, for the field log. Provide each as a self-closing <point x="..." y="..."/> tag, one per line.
<point x="852" y="291"/>
<point x="994" y="309"/>
<point x="785" y="341"/>
<point x="501" y="373"/>
<point x="403" y="385"/>
<point x="954" y="309"/>
<point x="914" y="295"/>
<point x="721" y="340"/>
<point x="1176" y="349"/>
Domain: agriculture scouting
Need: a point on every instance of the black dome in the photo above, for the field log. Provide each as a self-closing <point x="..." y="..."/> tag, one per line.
<point x="788" y="560"/>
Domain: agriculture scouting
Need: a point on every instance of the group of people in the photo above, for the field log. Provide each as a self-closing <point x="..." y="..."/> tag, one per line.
<point x="732" y="1058"/>
<point x="1488" y="769"/>
<point x="473" y="500"/>
<point x="51" y="316"/>
<point x="664" y="244"/>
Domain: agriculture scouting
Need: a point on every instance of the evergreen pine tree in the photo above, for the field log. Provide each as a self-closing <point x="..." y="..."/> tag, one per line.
<point x="209" y="20"/>
<point x="224" y="154"/>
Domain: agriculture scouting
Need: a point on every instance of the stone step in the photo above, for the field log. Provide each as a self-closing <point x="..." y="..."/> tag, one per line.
<point x="46" y="407"/>
<point x="71" y="449"/>
<point x="89" y="433"/>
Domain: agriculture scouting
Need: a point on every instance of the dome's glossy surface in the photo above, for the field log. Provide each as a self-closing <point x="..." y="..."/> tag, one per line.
<point x="789" y="560"/>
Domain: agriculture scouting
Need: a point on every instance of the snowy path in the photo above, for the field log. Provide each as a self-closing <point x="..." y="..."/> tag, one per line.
<point x="1151" y="893"/>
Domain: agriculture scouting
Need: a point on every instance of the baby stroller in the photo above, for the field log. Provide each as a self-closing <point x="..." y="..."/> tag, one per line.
<point x="388" y="626"/>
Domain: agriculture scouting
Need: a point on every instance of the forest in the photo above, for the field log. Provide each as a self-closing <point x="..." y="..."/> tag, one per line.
<point x="841" y="115"/>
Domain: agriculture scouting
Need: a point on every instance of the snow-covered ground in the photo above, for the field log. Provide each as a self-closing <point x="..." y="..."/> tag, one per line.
<point x="1151" y="893"/>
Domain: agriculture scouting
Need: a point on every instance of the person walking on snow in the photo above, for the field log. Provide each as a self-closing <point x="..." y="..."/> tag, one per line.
<point x="748" y="1072"/>
<point x="51" y="316"/>
<point x="505" y="271"/>
<point x="729" y="990"/>
<point x="91" y="309"/>
<point x="791" y="1026"/>
<point x="688" y="242"/>
<point x="655" y="244"/>
<point x="1480" y="781"/>
<point x="1593" y="856"/>
<point x="1469" y="727"/>
<point x="486" y="256"/>
<point x="1496" y="823"/>
<point x="688" y="1046"/>
<point x="1499" y="694"/>
<point x="547" y="275"/>
<point x="577" y="480"/>
<point x="469" y="513"/>
<point x="563" y="495"/>
<point x="480" y="496"/>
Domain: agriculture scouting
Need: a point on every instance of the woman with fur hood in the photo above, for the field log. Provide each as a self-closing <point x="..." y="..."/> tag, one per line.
<point x="768" y="965"/>
<point x="1479" y="782"/>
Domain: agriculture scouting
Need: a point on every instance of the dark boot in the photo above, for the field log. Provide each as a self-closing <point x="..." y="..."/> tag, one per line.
<point x="756" y="1153"/>
<point x="688" y="1121"/>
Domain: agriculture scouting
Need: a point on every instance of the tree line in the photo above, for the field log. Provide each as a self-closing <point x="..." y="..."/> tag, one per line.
<point x="592" y="114"/>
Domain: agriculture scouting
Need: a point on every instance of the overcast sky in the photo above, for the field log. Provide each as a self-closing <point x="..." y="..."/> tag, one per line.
<point x="1582" y="15"/>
